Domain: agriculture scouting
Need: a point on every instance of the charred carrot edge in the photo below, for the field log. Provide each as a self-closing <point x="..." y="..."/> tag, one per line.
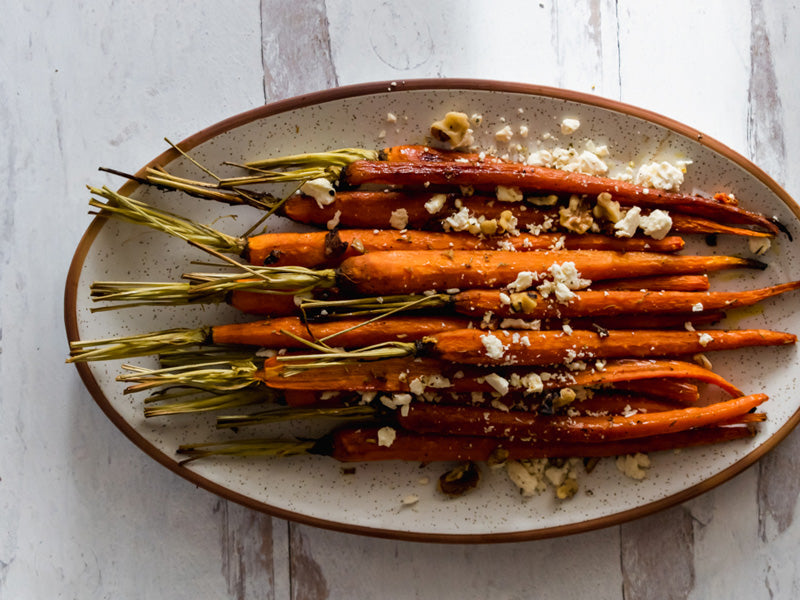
<point x="418" y="271"/>
<point x="676" y="283"/>
<point x="348" y="332"/>
<point x="420" y="174"/>
<point x="395" y="375"/>
<point x="371" y="209"/>
<point x="612" y="302"/>
<point x="469" y="346"/>
<point x="461" y="420"/>
<point x="357" y="445"/>
<point x="321" y="248"/>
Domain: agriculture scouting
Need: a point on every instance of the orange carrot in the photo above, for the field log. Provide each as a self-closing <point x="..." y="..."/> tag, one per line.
<point x="471" y="421"/>
<point x="419" y="174"/>
<point x="357" y="445"/>
<point x="319" y="248"/>
<point x="551" y="347"/>
<point x="419" y="271"/>
<point x="677" y="283"/>
<point x="591" y="303"/>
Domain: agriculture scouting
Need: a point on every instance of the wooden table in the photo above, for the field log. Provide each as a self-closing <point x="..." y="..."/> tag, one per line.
<point x="85" y="514"/>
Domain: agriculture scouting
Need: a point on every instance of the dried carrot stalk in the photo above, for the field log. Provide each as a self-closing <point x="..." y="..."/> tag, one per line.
<point x="471" y="421"/>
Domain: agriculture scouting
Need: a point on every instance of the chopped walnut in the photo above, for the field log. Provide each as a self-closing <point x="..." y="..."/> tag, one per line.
<point x="606" y="208"/>
<point x="524" y="302"/>
<point x="576" y="217"/>
<point x="454" y="129"/>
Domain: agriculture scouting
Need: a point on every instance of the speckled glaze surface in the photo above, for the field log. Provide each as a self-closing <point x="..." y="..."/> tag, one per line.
<point x="314" y="489"/>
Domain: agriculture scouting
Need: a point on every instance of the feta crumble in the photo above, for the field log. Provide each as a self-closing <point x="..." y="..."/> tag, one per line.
<point x="508" y="194"/>
<point x="399" y="218"/>
<point x="386" y="436"/>
<point x="661" y="175"/>
<point x="436" y="203"/>
<point x="494" y="347"/>
<point x="320" y="189"/>
<point x="705" y="339"/>
<point x="504" y="135"/>
<point x="498" y="383"/>
<point x="569" y="126"/>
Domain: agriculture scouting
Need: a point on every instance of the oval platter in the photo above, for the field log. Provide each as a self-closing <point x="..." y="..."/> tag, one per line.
<point x="317" y="490"/>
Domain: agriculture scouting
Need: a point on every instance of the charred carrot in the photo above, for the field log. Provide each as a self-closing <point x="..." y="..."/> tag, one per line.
<point x="420" y="174"/>
<point x="676" y="283"/>
<point x="471" y="421"/>
<point x="371" y="209"/>
<point x="591" y="303"/>
<point x="330" y="248"/>
<point x="361" y="445"/>
<point x="419" y="271"/>
<point x="551" y="347"/>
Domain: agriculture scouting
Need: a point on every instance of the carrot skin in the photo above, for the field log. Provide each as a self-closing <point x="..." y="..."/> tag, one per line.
<point x="270" y="334"/>
<point x="323" y="249"/>
<point x="419" y="174"/>
<point x="255" y="303"/>
<point x="675" y="283"/>
<point x="553" y="347"/>
<point x="396" y="375"/>
<point x="418" y="271"/>
<point x="611" y="303"/>
<point x="472" y="421"/>
<point x="361" y="445"/>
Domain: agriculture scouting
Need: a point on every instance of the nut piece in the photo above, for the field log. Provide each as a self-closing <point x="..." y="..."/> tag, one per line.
<point x="607" y="208"/>
<point x="454" y="129"/>
<point x="523" y="302"/>
<point x="460" y="479"/>
<point x="576" y="217"/>
<point x="567" y="489"/>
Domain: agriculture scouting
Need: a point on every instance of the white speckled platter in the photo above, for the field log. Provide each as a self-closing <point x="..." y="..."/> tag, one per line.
<point x="314" y="490"/>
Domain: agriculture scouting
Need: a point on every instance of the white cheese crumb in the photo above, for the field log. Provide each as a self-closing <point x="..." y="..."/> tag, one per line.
<point x="634" y="465"/>
<point x="569" y="126"/>
<point x="532" y="382"/>
<point x="523" y="281"/>
<point x="688" y="326"/>
<point x="697" y="307"/>
<point x="391" y="118"/>
<point x="498" y="383"/>
<point x="661" y="175"/>
<point x="567" y="329"/>
<point x="504" y="135"/>
<point x="528" y="482"/>
<point x="657" y="224"/>
<point x="628" y="224"/>
<point x="386" y="436"/>
<point x="705" y="339"/>
<point x="435" y="203"/>
<point x="399" y="218"/>
<point x="565" y="279"/>
<point x="320" y="189"/>
<point x="523" y="131"/>
<point x="508" y="194"/>
<point x="494" y="347"/>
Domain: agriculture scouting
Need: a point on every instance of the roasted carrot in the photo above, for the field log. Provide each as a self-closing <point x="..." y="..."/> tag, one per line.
<point x="551" y="347"/>
<point x="319" y="248"/>
<point x="420" y="174"/>
<point x="677" y="283"/>
<point x="419" y="271"/>
<point x="673" y="390"/>
<point x="471" y="421"/>
<point x="591" y="303"/>
<point x="371" y="209"/>
<point x="280" y="332"/>
<point x="397" y="375"/>
<point x="351" y="445"/>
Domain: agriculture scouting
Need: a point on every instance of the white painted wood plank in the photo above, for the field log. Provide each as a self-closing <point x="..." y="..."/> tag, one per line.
<point x="85" y="513"/>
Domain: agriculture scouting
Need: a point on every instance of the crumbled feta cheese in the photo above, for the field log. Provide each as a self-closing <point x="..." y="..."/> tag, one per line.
<point x="688" y="326"/>
<point x="334" y="222"/>
<point x="523" y="131"/>
<point x="660" y="175"/>
<point x="436" y="203"/>
<point x="508" y="194"/>
<point x="532" y="382"/>
<point x="498" y="383"/>
<point x="565" y="278"/>
<point x="529" y="481"/>
<point x="386" y="436"/>
<point x="569" y="126"/>
<point x="504" y="135"/>
<point x="505" y="298"/>
<point x="627" y="225"/>
<point x="634" y="465"/>
<point x="697" y="307"/>
<point x="494" y="347"/>
<point x="399" y="218"/>
<point x="657" y="224"/>
<point x="417" y="386"/>
<point x="391" y="118"/>
<point x="459" y="221"/>
<point x="320" y="189"/>
<point x="567" y="329"/>
<point x="705" y="339"/>
<point x="497" y="405"/>
<point x="523" y="281"/>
